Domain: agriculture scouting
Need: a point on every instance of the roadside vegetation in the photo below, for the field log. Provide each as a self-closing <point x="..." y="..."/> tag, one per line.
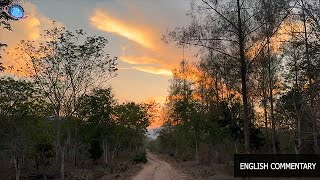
<point x="58" y="121"/>
<point x="252" y="88"/>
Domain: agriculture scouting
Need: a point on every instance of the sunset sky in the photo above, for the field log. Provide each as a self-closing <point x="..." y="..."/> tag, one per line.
<point x="133" y="28"/>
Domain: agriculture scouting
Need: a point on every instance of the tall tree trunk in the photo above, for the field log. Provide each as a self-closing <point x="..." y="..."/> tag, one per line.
<point x="61" y="148"/>
<point x="76" y="147"/>
<point x="236" y="147"/>
<point x="298" y="134"/>
<point x="17" y="168"/>
<point x="264" y="100"/>
<point x="309" y="74"/>
<point x="16" y="161"/>
<point x="105" y="151"/>
<point x="62" y="163"/>
<point x="69" y="144"/>
<point x="196" y="144"/>
<point x="215" y="78"/>
<point x="216" y="87"/>
<point x="273" y="126"/>
<point x="273" y="123"/>
<point x="243" y="80"/>
<point x="265" y="113"/>
<point x="298" y="120"/>
<point x="57" y="142"/>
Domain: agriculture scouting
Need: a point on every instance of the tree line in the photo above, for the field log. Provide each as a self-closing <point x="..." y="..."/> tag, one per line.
<point x="254" y="87"/>
<point x="59" y="111"/>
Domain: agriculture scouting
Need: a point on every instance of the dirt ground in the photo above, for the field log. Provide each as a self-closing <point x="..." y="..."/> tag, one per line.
<point x="158" y="169"/>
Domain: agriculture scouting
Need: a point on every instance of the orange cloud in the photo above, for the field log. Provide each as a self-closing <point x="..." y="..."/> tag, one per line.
<point x="139" y="60"/>
<point x="147" y="49"/>
<point x="153" y="70"/>
<point x="104" y="22"/>
<point x="284" y="33"/>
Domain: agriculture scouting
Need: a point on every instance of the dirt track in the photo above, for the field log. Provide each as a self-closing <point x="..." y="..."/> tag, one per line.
<point x="156" y="169"/>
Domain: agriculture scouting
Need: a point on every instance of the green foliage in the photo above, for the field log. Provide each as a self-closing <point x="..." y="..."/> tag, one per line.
<point x="24" y="121"/>
<point x="104" y="119"/>
<point x="193" y="123"/>
<point x="140" y="157"/>
<point x="66" y="65"/>
<point x="59" y="109"/>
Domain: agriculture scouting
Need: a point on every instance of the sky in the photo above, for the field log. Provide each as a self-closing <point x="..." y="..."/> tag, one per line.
<point x="133" y="29"/>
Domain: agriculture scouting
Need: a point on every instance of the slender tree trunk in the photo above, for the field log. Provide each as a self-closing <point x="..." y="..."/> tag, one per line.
<point x="57" y="147"/>
<point x="216" y="87"/>
<point x="273" y="124"/>
<point x="298" y="135"/>
<point x="61" y="148"/>
<point x="264" y="103"/>
<point x="221" y="88"/>
<point x="309" y="74"/>
<point x="265" y="113"/>
<point x="76" y="147"/>
<point x="16" y="161"/>
<point x="17" y="168"/>
<point x="69" y="144"/>
<point x="215" y="78"/>
<point x="196" y="143"/>
<point x="243" y="80"/>
<point x="58" y="139"/>
<point x="113" y="152"/>
<point x="236" y="147"/>
<point x="298" y="120"/>
<point x="105" y="151"/>
<point x="62" y="163"/>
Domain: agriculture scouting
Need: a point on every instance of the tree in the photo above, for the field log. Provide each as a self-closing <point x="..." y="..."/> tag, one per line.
<point x="302" y="53"/>
<point x="229" y="28"/>
<point x="66" y="65"/>
<point x="309" y="73"/>
<point x="22" y="110"/>
<point x="131" y="121"/>
<point x="97" y="110"/>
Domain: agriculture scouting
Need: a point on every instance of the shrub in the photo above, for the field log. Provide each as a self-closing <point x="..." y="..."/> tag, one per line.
<point x="140" y="157"/>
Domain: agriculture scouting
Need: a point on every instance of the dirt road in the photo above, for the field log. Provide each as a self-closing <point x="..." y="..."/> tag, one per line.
<point x="156" y="169"/>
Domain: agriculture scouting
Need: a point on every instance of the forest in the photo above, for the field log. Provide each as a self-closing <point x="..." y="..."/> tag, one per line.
<point x="57" y="115"/>
<point x="252" y="87"/>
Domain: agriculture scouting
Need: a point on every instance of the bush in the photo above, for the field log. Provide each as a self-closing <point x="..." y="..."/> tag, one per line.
<point x="140" y="157"/>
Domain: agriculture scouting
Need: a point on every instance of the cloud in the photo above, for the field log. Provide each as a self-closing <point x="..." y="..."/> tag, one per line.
<point x="277" y="41"/>
<point x="105" y="22"/>
<point x="139" y="60"/>
<point x="154" y="70"/>
<point x="145" y="46"/>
